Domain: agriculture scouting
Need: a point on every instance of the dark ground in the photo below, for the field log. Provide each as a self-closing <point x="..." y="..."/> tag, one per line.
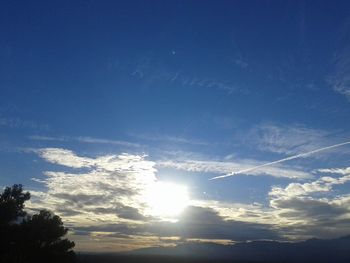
<point x="152" y="259"/>
<point x="309" y="251"/>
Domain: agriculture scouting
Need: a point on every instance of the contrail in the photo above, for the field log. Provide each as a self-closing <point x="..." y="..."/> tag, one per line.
<point x="281" y="161"/>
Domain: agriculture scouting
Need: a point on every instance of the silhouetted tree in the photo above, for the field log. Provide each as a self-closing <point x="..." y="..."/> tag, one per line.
<point x="42" y="240"/>
<point x="11" y="209"/>
<point x="12" y="204"/>
<point x="27" y="239"/>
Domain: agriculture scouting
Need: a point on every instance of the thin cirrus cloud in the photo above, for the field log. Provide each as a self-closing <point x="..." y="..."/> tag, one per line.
<point x="15" y="122"/>
<point x="147" y="69"/>
<point x="288" y="139"/>
<point x="340" y="79"/>
<point x="281" y="160"/>
<point x="85" y="139"/>
<point x="208" y="166"/>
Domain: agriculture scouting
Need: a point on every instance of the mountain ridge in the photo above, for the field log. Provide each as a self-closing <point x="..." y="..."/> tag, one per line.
<point x="311" y="250"/>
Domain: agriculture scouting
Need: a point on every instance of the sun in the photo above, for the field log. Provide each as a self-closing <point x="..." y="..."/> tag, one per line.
<point x="167" y="200"/>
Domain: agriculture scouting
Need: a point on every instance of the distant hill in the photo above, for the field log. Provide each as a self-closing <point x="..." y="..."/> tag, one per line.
<point x="309" y="251"/>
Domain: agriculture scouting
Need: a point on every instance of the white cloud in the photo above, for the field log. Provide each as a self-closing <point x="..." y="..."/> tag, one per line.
<point x="342" y="171"/>
<point x="288" y="139"/>
<point x="111" y="189"/>
<point x="208" y="166"/>
<point x="312" y="209"/>
<point x="65" y="157"/>
<point x="85" y="139"/>
<point x="323" y="184"/>
<point x="340" y="79"/>
<point x="106" y="141"/>
<point x="106" y="195"/>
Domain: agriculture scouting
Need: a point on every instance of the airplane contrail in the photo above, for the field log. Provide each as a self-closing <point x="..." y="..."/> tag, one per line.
<point x="281" y="161"/>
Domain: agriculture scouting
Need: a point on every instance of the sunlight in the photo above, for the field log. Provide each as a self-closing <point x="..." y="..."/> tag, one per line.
<point x="167" y="199"/>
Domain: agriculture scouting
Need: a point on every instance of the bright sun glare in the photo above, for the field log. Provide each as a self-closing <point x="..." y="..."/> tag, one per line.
<point x="167" y="199"/>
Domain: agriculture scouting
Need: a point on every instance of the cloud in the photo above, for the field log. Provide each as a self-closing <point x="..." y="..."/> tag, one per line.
<point x="288" y="139"/>
<point x="104" y="196"/>
<point x="206" y="223"/>
<point x="282" y="160"/>
<point x="170" y="139"/>
<point x="110" y="188"/>
<point x="65" y="157"/>
<point x="340" y="79"/>
<point x="106" y="141"/>
<point x="226" y="167"/>
<point x="84" y="139"/>
<point x="196" y="222"/>
<point x="323" y="184"/>
<point x="151" y="73"/>
<point x="311" y="209"/>
<point x="15" y="122"/>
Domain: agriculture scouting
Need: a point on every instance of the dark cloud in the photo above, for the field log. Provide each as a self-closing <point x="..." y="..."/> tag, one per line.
<point x="197" y="222"/>
<point x="81" y="199"/>
<point x="309" y="208"/>
<point x="128" y="212"/>
<point x="314" y="218"/>
<point x="200" y="222"/>
<point x="125" y="212"/>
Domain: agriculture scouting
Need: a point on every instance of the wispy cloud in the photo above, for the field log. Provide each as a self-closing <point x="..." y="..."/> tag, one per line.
<point x="146" y="69"/>
<point x="340" y="79"/>
<point x="15" y="122"/>
<point x="281" y="160"/>
<point x="208" y="166"/>
<point x="84" y="139"/>
<point x="106" y="141"/>
<point x="169" y="139"/>
<point x="288" y="139"/>
<point x="47" y="138"/>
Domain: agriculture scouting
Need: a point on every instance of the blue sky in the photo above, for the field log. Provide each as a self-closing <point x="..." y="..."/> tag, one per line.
<point x="107" y="99"/>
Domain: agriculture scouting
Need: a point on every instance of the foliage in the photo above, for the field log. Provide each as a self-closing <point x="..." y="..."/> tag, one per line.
<point x="26" y="239"/>
<point x="12" y="204"/>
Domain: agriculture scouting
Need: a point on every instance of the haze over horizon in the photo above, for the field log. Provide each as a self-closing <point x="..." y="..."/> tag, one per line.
<point x="115" y="115"/>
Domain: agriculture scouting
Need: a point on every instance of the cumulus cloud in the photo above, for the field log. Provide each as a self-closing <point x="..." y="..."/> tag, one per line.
<point x="111" y="189"/>
<point x="104" y="196"/>
<point x="323" y="184"/>
<point x="311" y="208"/>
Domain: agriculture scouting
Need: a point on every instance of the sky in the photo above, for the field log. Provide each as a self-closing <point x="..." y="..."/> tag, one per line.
<point x="117" y="115"/>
